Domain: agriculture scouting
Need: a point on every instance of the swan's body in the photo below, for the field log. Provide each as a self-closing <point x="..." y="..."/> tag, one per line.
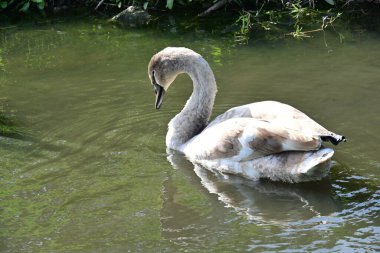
<point x="264" y="139"/>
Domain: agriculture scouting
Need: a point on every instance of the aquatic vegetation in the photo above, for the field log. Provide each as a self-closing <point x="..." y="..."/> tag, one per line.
<point x="298" y="19"/>
<point x="8" y="125"/>
<point x="1" y="60"/>
<point x="302" y="20"/>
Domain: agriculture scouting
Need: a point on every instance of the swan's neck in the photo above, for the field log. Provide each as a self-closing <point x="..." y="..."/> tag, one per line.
<point x="195" y="115"/>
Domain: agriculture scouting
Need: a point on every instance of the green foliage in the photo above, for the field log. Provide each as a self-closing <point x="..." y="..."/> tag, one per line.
<point x="304" y="17"/>
<point x="331" y="2"/>
<point x="298" y="15"/>
<point x="169" y="4"/>
<point x="3" y="4"/>
<point x="22" y="5"/>
<point x="121" y="3"/>
<point x="245" y="24"/>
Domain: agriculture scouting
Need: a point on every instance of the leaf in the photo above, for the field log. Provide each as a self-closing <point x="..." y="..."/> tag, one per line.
<point x="145" y="5"/>
<point x="38" y="1"/>
<point x="3" y="4"/>
<point x="41" y="5"/>
<point x="25" y="7"/>
<point x="330" y="2"/>
<point x="169" y="4"/>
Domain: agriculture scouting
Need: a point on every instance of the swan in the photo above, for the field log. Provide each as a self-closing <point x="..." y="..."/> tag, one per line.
<point x="265" y="139"/>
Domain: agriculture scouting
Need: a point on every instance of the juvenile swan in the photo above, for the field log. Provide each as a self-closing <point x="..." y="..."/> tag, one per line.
<point x="260" y="140"/>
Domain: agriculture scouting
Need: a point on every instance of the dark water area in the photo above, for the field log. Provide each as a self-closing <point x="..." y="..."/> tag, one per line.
<point x="94" y="176"/>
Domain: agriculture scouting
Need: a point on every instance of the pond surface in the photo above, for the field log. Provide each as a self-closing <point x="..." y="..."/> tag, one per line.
<point x="94" y="175"/>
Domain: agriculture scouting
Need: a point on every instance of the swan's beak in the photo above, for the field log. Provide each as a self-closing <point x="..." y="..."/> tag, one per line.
<point x="160" y="91"/>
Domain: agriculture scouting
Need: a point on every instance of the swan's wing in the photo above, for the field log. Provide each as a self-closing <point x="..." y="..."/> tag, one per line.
<point x="272" y="111"/>
<point x="282" y="114"/>
<point x="243" y="139"/>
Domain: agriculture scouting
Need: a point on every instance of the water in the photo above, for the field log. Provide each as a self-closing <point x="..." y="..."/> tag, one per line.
<point x="94" y="176"/>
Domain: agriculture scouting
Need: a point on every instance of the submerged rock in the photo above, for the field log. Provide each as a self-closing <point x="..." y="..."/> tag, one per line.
<point x="132" y="17"/>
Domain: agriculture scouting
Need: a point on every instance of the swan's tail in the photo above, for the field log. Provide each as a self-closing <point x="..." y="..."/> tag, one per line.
<point x="333" y="138"/>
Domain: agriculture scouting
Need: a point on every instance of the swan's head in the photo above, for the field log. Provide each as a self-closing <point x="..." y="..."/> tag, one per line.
<point x="164" y="67"/>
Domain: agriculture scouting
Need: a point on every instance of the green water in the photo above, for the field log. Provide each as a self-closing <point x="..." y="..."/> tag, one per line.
<point x="93" y="174"/>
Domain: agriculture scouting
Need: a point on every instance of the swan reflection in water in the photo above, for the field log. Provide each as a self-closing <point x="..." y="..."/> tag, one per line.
<point x="262" y="201"/>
